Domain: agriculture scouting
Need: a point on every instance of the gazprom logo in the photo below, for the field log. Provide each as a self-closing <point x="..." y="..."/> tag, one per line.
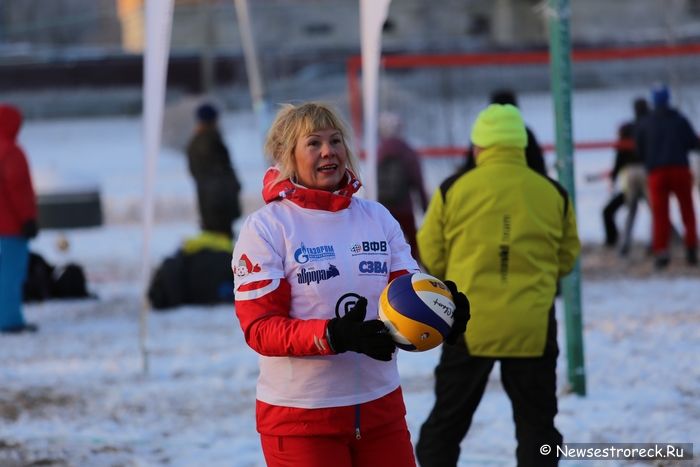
<point x="304" y="255"/>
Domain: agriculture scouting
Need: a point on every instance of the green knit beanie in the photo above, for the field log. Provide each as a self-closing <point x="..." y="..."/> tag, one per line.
<point x="499" y="125"/>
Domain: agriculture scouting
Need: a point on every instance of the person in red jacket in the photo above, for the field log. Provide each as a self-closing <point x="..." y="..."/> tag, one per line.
<point x="309" y="268"/>
<point x="17" y="222"/>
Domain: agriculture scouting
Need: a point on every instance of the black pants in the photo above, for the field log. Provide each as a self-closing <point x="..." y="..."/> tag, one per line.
<point x="611" y="232"/>
<point x="460" y="381"/>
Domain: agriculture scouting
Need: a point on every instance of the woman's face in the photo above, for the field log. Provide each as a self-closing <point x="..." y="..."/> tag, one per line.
<point x="321" y="159"/>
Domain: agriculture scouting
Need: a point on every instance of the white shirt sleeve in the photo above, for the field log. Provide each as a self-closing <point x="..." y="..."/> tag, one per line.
<point x="258" y="254"/>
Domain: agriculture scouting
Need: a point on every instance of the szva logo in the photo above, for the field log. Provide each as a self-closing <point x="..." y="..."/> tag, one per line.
<point x="373" y="267"/>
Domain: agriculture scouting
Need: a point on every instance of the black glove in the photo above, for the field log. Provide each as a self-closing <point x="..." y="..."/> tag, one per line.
<point x="461" y="313"/>
<point x="352" y="332"/>
<point x="30" y="229"/>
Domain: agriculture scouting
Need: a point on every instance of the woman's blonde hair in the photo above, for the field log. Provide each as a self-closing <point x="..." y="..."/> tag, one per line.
<point x="292" y="122"/>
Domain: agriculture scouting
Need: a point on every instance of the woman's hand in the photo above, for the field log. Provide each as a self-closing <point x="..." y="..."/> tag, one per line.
<point x="461" y="313"/>
<point x="352" y="332"/>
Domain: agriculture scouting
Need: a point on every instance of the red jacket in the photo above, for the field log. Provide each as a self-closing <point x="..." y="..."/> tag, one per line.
<point x="17" y="199"/>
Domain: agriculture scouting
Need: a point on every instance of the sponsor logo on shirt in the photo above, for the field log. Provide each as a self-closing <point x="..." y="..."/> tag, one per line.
<point x="307" y="276"/>
<point x="317" y="253"/>
<point x="346" y="303"/>
<point x="370" y="248"/>
<point x="245" y="266"/>
<point x="373" y="268"/>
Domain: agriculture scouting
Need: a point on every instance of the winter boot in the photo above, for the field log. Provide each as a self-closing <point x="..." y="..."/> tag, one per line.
<point x="661" y="261"/>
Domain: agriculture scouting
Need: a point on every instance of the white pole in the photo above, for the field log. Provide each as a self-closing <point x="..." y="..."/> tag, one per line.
<point x="373" y="13"/>
<point x="252" y="66"/>
<point x="159" y="16"/>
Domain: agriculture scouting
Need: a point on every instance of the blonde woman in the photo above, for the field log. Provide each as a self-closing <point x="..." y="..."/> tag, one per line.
<point x="309" y="268"/>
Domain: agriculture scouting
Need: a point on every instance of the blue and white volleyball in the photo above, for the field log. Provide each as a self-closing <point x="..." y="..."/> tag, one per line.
<point x="418" y="309"/>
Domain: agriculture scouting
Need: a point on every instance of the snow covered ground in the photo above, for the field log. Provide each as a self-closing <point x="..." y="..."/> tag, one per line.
<point x="75" y="394"/>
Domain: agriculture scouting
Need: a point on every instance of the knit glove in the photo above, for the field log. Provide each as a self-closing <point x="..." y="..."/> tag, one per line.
<point x="30" y="229"/>
<point x="352" y="332"/>
<point x="461" y="313"/>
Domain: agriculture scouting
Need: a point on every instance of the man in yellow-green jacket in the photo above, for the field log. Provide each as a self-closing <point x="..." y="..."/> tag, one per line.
<point x="505" y="235"/>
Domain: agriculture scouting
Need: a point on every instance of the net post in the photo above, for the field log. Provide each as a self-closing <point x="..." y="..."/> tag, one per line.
<point x="559" y="13"/>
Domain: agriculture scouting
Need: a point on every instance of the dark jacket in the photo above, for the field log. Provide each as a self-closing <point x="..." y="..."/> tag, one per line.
<point x="17" y="199"/>
<point x="198" y="273"/>
<point x="664" y="139"/>
<point x="626" y="152"/>
<point x="410" y="177"/>
<point x="217" y="184"/>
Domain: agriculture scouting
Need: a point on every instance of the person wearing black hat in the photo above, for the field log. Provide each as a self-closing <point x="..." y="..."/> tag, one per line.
<point x="629" y="166"/>
<point x="217" y="185"/>
<point x="663" y="140"/>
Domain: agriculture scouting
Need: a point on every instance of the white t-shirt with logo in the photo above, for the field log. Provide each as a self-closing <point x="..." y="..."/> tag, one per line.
<point x="324" y="256"/>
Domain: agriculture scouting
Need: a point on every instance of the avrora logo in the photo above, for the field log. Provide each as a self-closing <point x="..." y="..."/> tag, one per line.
<point x="317" y="275"/>
<point x="370" y="248"/>
<point x="304" y="255"/>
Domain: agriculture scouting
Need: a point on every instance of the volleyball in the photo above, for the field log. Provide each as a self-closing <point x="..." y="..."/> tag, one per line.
<point x="418" y="311"/>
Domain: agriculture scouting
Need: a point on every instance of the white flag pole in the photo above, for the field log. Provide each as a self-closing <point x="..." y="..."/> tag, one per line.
<point x="373" y="13"/>
<point x="159" y="16"/>
<point x="252" y="65"/>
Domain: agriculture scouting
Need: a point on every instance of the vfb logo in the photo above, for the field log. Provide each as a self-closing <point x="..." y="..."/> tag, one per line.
<point x="377" y="248"/>
<point x="373" y="267"/>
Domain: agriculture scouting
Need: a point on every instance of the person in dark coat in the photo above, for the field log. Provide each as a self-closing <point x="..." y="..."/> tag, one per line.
<point x="217" y="185"/>
<point x="664" y="139"/>
<point x="399" y="177"/>
<point x="18" y="213"/>
<point x="533" y="151"/>
<point x="629" y="167"/>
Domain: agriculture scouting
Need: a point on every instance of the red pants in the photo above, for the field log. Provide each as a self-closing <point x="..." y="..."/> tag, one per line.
<point x="387" y="446"/>
<point x="662" y="182"/>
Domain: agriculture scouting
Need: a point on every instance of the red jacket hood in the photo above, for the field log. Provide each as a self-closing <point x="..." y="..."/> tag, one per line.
<point x="10" y="122"/>
<point x="307" y="197"/>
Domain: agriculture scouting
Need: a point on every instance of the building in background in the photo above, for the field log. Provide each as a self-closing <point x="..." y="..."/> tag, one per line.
<point x="300" y="25"/>
<point x="74" y="44"/>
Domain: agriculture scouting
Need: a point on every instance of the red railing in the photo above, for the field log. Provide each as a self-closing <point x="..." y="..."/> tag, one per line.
<point x="354" y="67"/>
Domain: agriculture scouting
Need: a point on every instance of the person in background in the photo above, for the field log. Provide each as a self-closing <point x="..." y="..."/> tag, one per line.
<point x="218" y="188"/>
<point x="18" y="213"/>
<point x="505" y="235"/>
<point x="629" y="166"/>
<point x="534" y="156"/>
<point x="399" y="177"/>
<point x="664" y="139"/>
<point x="615" y="202"/>
<point x="309" y="268"/>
